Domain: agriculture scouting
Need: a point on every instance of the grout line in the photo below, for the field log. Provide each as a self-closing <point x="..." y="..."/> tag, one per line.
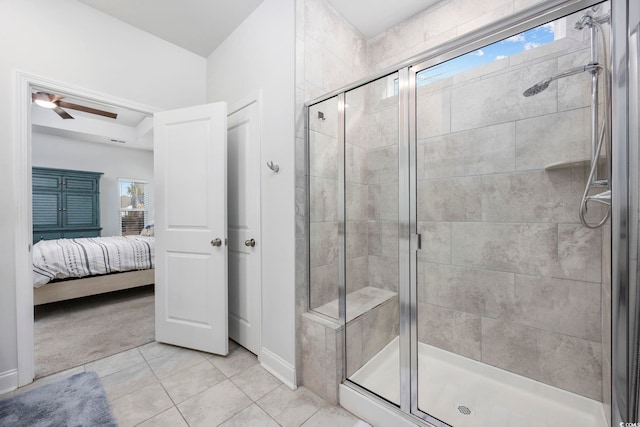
<point x="175" y="404"/>
<point x="237" y="413"/>
<point x="315" y="412"/>
<point x="150" y="368"/>
<point x="153" y="416"/>
<point x="135" y="389"/>
<point x="181" y="415"/>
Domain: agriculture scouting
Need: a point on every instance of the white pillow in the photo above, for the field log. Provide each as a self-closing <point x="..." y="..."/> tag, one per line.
<point x="148" y="230"/>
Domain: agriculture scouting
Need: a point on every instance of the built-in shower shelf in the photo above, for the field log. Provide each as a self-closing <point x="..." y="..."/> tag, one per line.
<point x="571" y="164"/>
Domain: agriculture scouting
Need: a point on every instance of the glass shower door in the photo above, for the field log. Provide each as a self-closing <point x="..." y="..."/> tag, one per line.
<point x="509" y="282"/>
<point x="371" y="237"/>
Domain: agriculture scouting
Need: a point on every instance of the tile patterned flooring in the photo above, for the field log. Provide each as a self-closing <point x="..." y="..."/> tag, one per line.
<point x="161" y="385"/>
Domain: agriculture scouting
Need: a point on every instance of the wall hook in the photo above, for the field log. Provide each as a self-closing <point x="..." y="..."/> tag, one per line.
<point x="273" y="167"/>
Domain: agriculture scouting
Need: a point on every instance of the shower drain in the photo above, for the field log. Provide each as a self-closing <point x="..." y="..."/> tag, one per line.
<point x="464" y="409"/>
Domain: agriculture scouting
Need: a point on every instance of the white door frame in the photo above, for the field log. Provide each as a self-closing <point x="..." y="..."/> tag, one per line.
<point x="24" y="83"/>
<point x="255" y="97"/>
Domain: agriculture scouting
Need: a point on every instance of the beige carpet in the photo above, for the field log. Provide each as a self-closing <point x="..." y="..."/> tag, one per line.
<point x="72" y="333"/>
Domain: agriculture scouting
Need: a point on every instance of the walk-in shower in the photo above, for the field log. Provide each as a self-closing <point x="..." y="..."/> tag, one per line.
<point x="459" y="226"/>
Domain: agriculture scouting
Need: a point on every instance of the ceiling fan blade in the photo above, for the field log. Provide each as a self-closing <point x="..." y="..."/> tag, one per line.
<point x="86" y="109"/>
<point x="55" y="98"/>
<point x="62" y="113"/>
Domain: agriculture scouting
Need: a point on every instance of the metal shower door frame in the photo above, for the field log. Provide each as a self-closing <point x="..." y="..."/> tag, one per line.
<point x="494" y="33"/>
<point x="625" y="214"/>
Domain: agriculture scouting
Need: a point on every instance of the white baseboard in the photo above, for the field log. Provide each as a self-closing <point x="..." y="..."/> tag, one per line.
<point x="8" y="381"/>
<point x="279" y="368"/>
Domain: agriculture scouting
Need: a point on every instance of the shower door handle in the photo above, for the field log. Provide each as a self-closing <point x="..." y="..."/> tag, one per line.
<point x="416" y="241"/>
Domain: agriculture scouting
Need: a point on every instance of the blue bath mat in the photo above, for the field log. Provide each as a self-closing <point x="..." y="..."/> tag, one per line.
<point x="75" y="401"/>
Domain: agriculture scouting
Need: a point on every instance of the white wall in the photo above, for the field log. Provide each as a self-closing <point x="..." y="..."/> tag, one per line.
<point x="259" y="55"/>
<point x="70" y="42"/>
<point x="112" y="160"/>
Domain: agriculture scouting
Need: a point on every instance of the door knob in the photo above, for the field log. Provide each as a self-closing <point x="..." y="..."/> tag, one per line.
<point x="250" y="242"/>
<point x="216" y="242"/>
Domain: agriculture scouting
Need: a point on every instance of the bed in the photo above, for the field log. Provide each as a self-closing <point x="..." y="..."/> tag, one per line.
<point x="72" y="268"/>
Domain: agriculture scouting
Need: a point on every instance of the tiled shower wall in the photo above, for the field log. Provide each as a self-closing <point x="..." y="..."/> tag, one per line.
<point x="323" y="174"/>
<point x="323" y="212"/>
<point x="356" y="192"/>
<point x="331" y="54"/>
<point x="379" y="123"/>
<point x="371" y="193"/>
<point x="435" y="25"/>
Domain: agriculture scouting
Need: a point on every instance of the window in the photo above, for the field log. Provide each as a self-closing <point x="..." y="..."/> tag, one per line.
<point x="527" y="40"/>
<point x="530" y="39"/>
<point x="134" y="213"/>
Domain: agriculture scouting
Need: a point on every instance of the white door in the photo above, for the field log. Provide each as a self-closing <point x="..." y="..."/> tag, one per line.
<point x="244" y="226"/>
<point x="190" y="157"/>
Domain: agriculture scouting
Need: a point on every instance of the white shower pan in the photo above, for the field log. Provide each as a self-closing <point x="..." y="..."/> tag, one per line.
<point x="466" y="393"/>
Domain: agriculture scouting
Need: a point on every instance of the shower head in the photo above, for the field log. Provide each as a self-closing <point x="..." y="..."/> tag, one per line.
<point x="589" y="19"/>
<point x="537" y="88"/>
<point x="544" y="84"/>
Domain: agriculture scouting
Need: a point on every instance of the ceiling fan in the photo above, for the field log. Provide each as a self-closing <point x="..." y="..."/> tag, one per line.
<point x="55" y="102"/>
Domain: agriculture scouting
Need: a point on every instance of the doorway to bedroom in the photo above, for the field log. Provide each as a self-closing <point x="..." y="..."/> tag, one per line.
<point x="92" y="223"/>
<point x="130" y="206"/>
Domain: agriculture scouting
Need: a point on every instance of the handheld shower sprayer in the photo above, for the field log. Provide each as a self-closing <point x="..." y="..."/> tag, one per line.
<point x="600" y="132"/>
<point x="544" y="84"/>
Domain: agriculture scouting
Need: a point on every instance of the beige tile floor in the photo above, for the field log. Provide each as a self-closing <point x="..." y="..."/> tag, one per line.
<point x="162" y="385"/>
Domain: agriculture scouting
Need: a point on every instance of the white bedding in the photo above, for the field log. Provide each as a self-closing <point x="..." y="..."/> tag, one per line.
<point x="65" y="258"/>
